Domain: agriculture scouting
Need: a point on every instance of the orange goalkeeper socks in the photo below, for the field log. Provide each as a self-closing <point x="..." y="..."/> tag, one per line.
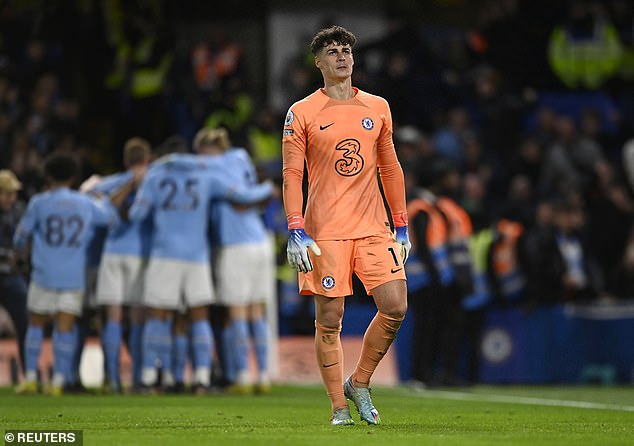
<point x="376" y="341"/>
<point x="330" y="360"/>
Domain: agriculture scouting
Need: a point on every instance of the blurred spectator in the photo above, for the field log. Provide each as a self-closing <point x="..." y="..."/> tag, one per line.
<point x="590" y="128"/>
<point x="624" y="275"/>
<point x="487" y="166"/>
<point x="527" y="161"/>
<point x="139" y="70"/>
<point x="265" y="142"/>
<point x="38" y="59"/>
<point x="545" y="131"/>
<point x="496" y="113"/>
<point x="26" y="163"/>
<point x="572" y="162"/>
<point x="504" y="26"/>
<point x="409" y="73"/>
<point x="429" y="275"/>
<point x="449" y="139"/>
<point x="10" y="112"/>
<point x="217" y="63"/>
<point x="610" y="211"/>
<point x="572" y="273"/>
<point x="13" y="284"/>
<point x="415" y="153"/>
<point x="474" y="199"/>
<point x="505" y="271"/>
<point x="221" y="83"/>
<point x="459" y="232"/>
<point x="585" y="50"/>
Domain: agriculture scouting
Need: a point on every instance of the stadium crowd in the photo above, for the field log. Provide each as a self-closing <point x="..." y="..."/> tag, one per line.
<point x="495" y="118"/>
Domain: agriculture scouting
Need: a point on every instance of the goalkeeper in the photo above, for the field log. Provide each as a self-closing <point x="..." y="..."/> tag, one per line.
<point x="344" y="135"/>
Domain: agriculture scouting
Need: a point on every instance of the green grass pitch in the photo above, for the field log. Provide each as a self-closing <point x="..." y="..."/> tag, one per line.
<point x="298" y="415"/>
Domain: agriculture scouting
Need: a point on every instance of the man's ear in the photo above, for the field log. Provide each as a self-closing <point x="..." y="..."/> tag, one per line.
<point x="317" y="61"/>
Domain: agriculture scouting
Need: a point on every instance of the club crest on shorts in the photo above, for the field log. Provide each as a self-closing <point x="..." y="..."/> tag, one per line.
<point x="328" y="282"/>
<point x="367" y="123"/>
<point x="290" y="117"/>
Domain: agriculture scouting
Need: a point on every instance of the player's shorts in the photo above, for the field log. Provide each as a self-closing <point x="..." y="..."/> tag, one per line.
<point x="42" y="300"/>
<point x="375" y="259"/>
<point x="245" y="274"/>
<point x="171" y="284"/>
<point x="120" y="280"/>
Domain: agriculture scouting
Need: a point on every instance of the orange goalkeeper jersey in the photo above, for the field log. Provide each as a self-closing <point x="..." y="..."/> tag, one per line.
<point x="343" y="143"/>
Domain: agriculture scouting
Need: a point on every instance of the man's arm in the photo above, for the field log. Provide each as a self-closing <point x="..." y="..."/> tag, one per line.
<point x="25" y="226"/>
<point x="292" y="176"/>
<point x="420" y="226"/>
<point x="104" y="213"/>
<point x="293" y="155"/>
<point x="143" y="201"/>
<point x="223" y="187"/>
<point x="393" y="182"/>
<point x="118" y="196"/>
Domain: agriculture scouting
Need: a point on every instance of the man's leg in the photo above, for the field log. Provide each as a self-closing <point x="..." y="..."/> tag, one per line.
<point x="64" y="345"/>
<point x="156" y="345"/>
<point x="111" y="340"/>
<point x="260" y="336"/>
<point x="33" y="347"/>
<point x="202" y="346"/>
<point x="180" y="349"/>
<point x="328" y="316"/>
<point x="240" y="349"/>
<point x="391" y="302"/>
<point x="136" y="317"/>
<point x="13" y="299"/>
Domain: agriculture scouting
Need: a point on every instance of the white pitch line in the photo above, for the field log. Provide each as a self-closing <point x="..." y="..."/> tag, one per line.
<point x="461" y="396"/>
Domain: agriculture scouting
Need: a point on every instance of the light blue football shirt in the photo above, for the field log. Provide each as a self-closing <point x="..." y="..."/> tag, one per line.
<point x="128" y="237"/>
<point x="178" y="194"/>
<point x="232" y="226"/>
<point x="60" y="223"/>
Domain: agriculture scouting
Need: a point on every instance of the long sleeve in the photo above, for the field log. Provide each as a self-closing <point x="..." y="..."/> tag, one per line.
<point x="143" y="201"/>
<point x="26" y="226"/>
<point x="293" y="154"/>
<point x="251" y="194"/>
<point x="392" y="176"/>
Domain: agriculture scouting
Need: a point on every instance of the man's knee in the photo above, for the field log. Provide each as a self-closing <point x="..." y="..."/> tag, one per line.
<point x="397" y="310"/>
<point x="390" y="322"/>
<point x="328" y="334"/>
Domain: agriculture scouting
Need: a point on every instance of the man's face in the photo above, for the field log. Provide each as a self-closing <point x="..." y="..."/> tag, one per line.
<point x="335" y="61"/>
<point x="7" y="198"/>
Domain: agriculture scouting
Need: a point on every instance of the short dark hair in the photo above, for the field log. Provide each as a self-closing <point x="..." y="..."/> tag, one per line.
<point x="173" y="144"/>
<point x="136" y="151"/>
<point x="334" y="34"/>
<point x="61" y="167"/>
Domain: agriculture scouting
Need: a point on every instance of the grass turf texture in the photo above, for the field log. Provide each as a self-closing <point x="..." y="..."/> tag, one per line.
<point x="294" y="415"/>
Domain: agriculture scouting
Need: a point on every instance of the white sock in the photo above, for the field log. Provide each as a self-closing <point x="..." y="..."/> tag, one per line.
<point x="58" y="380"/>
<point x="30" y="376"/>
<point x="202" y="376"/>
<point x="149" y="376"/>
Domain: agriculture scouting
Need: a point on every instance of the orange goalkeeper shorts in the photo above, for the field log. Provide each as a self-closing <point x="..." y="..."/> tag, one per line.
<point x="375" y="259"/>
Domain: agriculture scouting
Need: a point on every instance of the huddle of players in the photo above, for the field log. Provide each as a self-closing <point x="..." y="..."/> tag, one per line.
<point x="159" y="219"/>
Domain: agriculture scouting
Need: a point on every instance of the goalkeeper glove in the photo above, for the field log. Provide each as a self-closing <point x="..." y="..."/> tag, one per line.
<point x="403" y="239"/>
<point x="297" y="250"/>
<point x="400" y="228"/>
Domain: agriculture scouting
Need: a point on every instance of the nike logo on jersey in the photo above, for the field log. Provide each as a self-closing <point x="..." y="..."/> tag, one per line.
<point x="395" y="270"/>
<point x="324" y="127"/>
